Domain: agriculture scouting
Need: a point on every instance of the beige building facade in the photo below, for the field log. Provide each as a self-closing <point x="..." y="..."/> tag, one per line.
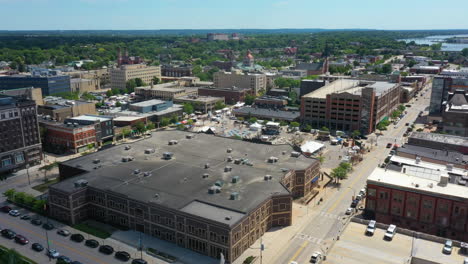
<point x="84" y="85"/>
<point x="119" y="76"/>
<point x="256" y="81"/>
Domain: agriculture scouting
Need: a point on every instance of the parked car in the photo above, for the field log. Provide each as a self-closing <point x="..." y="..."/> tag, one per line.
<point x="448" y="247"/>
<point x="8" y="233"/>
<point x="14" y="213"/>
<point x="25" y="217"/>
<point x="370" y="230"/>
<point x="48" y="226"/>
<point x="316" y="258"/>
<point x="52" y="253"/>
<point x="106" y="249"/>
<point x="122" y="255"/>
<point x="407" y="124"/>
<point x="36" y="221"/>
<point x="64" y="259"/>
<point x="359" y="197"/>
<point x="37" y="247"/>
<point x="389" y="145"/>
<point x="354" y="203"/>
<point x="92" y="243"/>
<point x="362" y="192"/>
<point x="349" y="211"/>
<point x="21" y="240"/>
<point x="142" y="261"/>
<point x="63" y="232"/>
<point x="77" y="238"/>
<point x="6" y="209"/>
<point x="391" y="230"/>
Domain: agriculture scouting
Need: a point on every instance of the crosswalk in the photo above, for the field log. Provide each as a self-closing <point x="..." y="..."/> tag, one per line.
<point x="309" y="238"/>
<point x="328" y="215"/>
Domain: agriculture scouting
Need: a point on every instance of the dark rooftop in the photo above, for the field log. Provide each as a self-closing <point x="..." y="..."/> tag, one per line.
<point x="442" y="138"/>
<point x="442" y="155"/>
<point x="268" y="113"/>
<point x="179" y="183"/>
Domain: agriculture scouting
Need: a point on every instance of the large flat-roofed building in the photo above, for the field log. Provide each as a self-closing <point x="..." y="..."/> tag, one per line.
<point x="349" y="105"/>
<point x="165" y="91"/>
<point x="421" y="197"/>
<point x="50" y="82"/>
<point x="231" y="95"/>
<point x="151" y="110"/>
<point x="455" y="114"/>
<point x="176" y="70"/>
<point x="420" y="69"/>
<point x="19" y="134"/>
<point x="209" y="194"/>
<point x="30" y="93"/>
<point x="60" y="109"/>
<point x="119" y="76"/>
<point x="255" y="81"/>
<point x="267" y="114"/>
<point x="62" y="137"/>
<point x="202" y="104"/>
<point x="439" y="142"/>
<point x="82" y="85"/>
<point x="103" y="126"/>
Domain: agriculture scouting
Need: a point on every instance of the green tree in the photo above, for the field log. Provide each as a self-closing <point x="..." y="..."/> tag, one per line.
<point x="321" y="159"/>
<point x="109" y="93"/>
<point x="29" y="199"/>
<point x="150" y="126"/>
<point x="346" y="165"/>
<point x="19" y="197"/>
<point x="219" y="105"/>
<point x="464" y="52"/>
<point x="324" y="129"/>
<point x="401" y="108"/>
<point x="126" y="132"/>
<point x="355" y="133"/>
<point x="10" y="194"/>
<point x="294" y="124"/>
<point x="307" y="128"/>
<point x="39" y="205"/>
<point x="131" y="85"/>
<point x="252" y="120"/>
<point x="249" y="99"/>
<point x="11" y="256"/>
<point x="188" y="108"/>
<point x="118" y="104"/>
<point x="165" y="121"/>
<point x="48" y="168"/>
<point x="140" y="127"/>
<point x="139" y="82"/>
<point x="338" y="174"/>
<point x="283" y="123"/>
<point x="386" y="69"/>
<point x="155" y="80"/>
<point x="411" y="63"/>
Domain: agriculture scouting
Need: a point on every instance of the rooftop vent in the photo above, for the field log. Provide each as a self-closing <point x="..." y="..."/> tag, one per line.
<point x="149" y="151"/>
<point x="272" y="159"/>
<point x="283" y="152"/>
<point x="136" y="171"/>
<point x="284" y="169"/>
<point x="146" y="174"/>
<point x="96" y="161"/>
<point x="229" y="150"/>
<point x="173" y="142"/>
<point x="214" y="189"/>
<point x="234" y="196"/>
<point x="205" y="175"/>
<point x="227" y="169"/>
<point x="168" y="155"/>
<point x="190" y="136"/>
<point x="461" y="181"/>
<point x="229" y="159"/>
<point x="418" y="160"/>
<point x="128" y="147"/>
<point x="295" y="154"/>
<point x="127" y="159"/>
<point x="235" y="179"/>
<point x="267" y="177"/>
<point x="207" y="165"/>
<point x="449" y="167"/>
<point x="430" y="185"/>
<point x="81" y="183"/>
<point x="444" y="179"/>
<point x="219" y="183"/>
<point x="237" y="161"/>
<point x="227" y="218"/>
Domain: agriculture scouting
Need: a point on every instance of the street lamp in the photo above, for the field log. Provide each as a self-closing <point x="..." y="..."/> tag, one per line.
<point x="354" y="192"/>
<point x="27" y="171"/>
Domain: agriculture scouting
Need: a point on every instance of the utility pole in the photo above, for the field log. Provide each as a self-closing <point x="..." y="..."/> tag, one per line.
<point x="27" y="171"/>
<point x="262" y="247"/>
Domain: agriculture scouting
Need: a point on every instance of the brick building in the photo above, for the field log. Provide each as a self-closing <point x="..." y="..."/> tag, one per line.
<point x="67" y="137"/>
<point x="439" y="142"/>
<point x="176" y="70"/>
<point x="60" y="109"/>
<point x="202" y="104"/>
<point x="231" y="95"/>
<point x="349" y="105"/>
<point x="420" y="200"/>
<point x="187" y="193"/>
<point x="455" y="114"/>
<point x="19" y="134"/>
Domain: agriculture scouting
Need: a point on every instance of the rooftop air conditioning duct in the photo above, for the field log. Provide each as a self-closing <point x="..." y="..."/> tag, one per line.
<point x="267" y="177"/>
<point x="229" y="150"/>
<point x="235" y="179"/>
<point x="234" y="196"/>
<point x="205" y="175"/>
<point x="227" y="169"/>
<point x="449" y="167"/>
<point x="207" y="165"/>
<point x="444" y="179"/>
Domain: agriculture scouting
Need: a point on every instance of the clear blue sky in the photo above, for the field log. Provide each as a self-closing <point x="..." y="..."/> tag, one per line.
<point x="219" y="14"/>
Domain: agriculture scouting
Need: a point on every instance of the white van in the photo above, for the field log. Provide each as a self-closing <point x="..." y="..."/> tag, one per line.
<point x="370" y="230"/>
<point x="391" y="230"/>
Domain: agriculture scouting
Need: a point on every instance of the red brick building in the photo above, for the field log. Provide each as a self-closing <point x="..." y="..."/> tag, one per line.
<point x="419" y="203"/>
<point x="231" y="95"/>
<point x="68" y="137"/>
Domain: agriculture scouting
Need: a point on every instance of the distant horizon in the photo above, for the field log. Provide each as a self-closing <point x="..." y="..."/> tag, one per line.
<point x="247" y="29"/>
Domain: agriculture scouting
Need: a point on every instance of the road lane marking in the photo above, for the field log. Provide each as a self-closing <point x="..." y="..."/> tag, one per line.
<point x="299" y="250"/>
<point x="58" y="243"/>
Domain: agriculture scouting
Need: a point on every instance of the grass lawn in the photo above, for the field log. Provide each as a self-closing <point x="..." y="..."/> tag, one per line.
<point x="43" y="187"/>
<point x="4" y="250"/>
<point x="92" y="230"/>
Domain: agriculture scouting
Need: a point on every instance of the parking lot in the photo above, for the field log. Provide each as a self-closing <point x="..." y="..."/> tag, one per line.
<point x="76" y="251"/>
<point x="354" y="247"/>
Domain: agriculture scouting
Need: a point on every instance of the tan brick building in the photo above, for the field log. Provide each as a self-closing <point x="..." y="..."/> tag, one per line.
<point x="119" y="76"/>
<point x="255" y="81"/>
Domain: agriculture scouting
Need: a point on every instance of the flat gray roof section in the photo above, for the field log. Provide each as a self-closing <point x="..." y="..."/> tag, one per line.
<point x="178" y="182"/>
<point x="212" y="212"/>
<point x="350" y="86"/>
<point x="268" y="113"/>
<point x="442" y="138"/>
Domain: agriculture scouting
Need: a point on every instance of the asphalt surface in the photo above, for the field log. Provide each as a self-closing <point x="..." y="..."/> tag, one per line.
<point x="327" y="221"/>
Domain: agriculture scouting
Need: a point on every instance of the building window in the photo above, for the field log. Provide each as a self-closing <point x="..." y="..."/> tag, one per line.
<point x="371" y="192"/>
<point x="19" y="158"/>
<point x="6" y="162"/>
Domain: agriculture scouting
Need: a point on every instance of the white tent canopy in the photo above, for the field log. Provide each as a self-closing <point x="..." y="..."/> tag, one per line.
<point x="255" y="127"/>
<point x="312" y="147"/>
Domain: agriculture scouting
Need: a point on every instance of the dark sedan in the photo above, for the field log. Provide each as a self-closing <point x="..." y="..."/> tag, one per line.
<point x="37" y="247"/>
<point x="77" y="238"/>
<point x="106" y="249"/>
<point x="122" y="255"/>
<point x="21" y="240"/>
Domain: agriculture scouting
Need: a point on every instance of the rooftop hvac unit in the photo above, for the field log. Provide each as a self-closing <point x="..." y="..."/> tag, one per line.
<point x="189" y="136"/>
<point x="227" y="169"/>
<point x="418" y="160"/>
<point x="444" y="179"/>
<point x="96" y="161"/>
<point x="136" y="171"/>
<point x="205" y="175"/>
<point x="229" y="150"/>
<point x="272" y="159"/>
<point x="81" y="183"/>
<point x="235" y="179"/>
<point x="295" y="154"/>
<point x="449" y="167"/>
<point x="229" y="159"/>
<point x="219" y="183"/>
<point x="267" y="177"/>
<point x="128" y="147"/>
<point x="149" y="151"/>
<point x="173" y="142"/>
<point x="168" y="155"/>
<point x="234" y="196"/>
<point x="207" y="165"/>
<point x="214" y="189"/>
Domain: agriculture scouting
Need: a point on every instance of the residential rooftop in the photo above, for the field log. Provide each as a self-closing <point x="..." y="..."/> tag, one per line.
<point x="179" y="183"/>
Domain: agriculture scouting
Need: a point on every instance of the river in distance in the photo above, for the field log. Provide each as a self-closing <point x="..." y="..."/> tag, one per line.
<point x="436" y="39"/>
